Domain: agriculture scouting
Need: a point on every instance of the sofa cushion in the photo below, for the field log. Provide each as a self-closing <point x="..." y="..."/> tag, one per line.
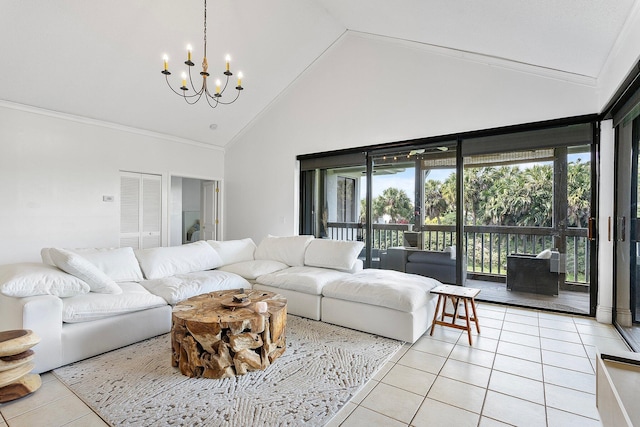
<point x="33" y="278"/>
<point x="233" y="251"/>
<point x="431" y="257"/>
<point x="338" y="254"/>
<point x="182" y="286"/>
<point x="289" y="249"/>
<point x="83" y="269"/>
<point x="92" y="306"/>
<point x="120" y="264"/>
<point x="308" y="280"/>
<point x="168" y="261"/>
<point x="252" y="269"/>
<point x="384" y="288"/>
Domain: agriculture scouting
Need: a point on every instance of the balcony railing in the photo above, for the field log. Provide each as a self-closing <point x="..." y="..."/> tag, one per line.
<point x="486" y="247"/>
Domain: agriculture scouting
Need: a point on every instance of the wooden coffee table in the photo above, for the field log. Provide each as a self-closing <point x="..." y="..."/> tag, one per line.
<point x="456" y="294"/>
<point x="213" y="337"/>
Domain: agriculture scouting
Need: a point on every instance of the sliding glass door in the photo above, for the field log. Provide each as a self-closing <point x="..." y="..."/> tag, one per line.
<point x="627" y="229"/>
<point x="527" y="214"/>
<point x="471" y="203"/>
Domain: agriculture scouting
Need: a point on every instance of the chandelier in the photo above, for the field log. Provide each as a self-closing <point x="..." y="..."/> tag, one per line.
<point x="212" y="99"/>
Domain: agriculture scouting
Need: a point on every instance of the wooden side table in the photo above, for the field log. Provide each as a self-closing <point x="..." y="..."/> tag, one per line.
<point x="456" y="294"/>
<point x="16" y="363"/>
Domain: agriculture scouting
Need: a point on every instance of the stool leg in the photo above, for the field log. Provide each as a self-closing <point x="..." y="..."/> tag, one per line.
<point x="466" y="318"/>
<point x="454" y="301"/>
<point x="475" y="316"/>
<point x="435" y="314"/>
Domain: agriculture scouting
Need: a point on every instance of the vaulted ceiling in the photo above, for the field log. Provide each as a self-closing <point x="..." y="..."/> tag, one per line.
<point x="102" y="60"/>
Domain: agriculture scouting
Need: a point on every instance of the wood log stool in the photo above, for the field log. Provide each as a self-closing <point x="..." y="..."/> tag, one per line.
<point x="457" y="295"/>
<point x="215" y="335"/>
<point x="16" y="363"/>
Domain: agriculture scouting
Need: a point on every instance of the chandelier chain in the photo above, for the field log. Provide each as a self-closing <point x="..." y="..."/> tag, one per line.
<point x="205" y="28"/>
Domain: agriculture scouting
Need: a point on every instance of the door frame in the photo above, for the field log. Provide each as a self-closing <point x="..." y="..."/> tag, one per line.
<point x="220" y="201"/>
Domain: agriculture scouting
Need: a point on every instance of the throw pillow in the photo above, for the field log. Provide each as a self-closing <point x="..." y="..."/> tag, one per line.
<point x="83" y="269"/>
<point x="546" y="254"/>
<point x="157" y="263"/>
<point x="289" y="249"/>
<point x="233" y="251"/>
<point x="31" y="278"/>
<point x="337" y="254"/>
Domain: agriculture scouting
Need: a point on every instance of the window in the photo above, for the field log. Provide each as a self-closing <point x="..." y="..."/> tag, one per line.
<point x="346" y="201"/>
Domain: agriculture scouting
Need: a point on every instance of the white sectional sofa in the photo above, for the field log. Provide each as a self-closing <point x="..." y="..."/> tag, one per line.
<point x="83" y="302"/>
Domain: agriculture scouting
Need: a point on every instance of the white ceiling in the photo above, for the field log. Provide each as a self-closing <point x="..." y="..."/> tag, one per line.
<point x="102" y="60"/>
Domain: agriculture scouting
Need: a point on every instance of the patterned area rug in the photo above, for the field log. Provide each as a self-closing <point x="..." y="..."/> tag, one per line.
<point x="323" y="367"/>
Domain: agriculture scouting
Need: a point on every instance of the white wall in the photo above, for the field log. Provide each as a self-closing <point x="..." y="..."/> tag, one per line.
<point x="55" y="170"/>
<point x="367" y="90"/>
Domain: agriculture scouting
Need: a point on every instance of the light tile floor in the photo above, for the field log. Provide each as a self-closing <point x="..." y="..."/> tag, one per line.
<point x="526" y="368"/>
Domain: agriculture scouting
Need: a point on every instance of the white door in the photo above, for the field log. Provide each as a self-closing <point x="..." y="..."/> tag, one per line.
<point x="210" y="223"/>
<point x="140" y="210"/>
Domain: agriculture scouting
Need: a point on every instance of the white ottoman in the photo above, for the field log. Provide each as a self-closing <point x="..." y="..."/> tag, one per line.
<point x="383" y="302"/>
<point x="301" y="286"/>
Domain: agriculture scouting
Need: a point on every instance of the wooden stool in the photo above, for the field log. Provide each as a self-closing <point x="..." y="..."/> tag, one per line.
<point x="16" y="363"/>
<point x="456" y="294"/>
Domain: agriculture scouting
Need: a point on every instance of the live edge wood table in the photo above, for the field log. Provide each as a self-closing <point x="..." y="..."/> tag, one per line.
<point x="16" y="363"/>
<point x="457" y="295"/>
<point x="212" y="336"/>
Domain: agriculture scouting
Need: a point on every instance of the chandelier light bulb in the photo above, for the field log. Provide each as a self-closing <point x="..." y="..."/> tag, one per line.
<point x="218" y="86"/>
<point x="184" y="81"/>
<point x="228" y="61"/>
<point x="189" y="50"/>
<point x="240" y="76"/>
<point x="165" y="59"/>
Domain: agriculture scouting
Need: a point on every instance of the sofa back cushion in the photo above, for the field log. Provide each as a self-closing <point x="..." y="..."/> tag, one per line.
<point x="120" y="264"/>
<point x="33" y="278"/>
<point x="289" y="249"/>
<point x="83" y="269"/>
<point x="233" y="251"/>
<point x="169" y="261"/>
<point x="336" y="254"/>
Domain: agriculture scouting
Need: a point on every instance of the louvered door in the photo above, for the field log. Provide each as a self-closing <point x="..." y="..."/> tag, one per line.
<point x="140" y="210"/>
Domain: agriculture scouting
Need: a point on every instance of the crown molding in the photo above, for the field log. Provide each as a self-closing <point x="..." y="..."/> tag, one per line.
<point x="104" y="124"/>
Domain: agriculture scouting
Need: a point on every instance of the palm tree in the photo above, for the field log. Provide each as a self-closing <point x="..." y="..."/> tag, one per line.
<point x="395" y="204"/>
<point x="434" y="203"/>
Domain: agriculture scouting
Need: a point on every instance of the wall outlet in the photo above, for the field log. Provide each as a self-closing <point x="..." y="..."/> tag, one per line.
<point x="107" y="198"/>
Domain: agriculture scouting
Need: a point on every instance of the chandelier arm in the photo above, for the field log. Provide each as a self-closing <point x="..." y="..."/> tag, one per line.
<point x="225" y="85"/>
<point x="231" y="102"/>
<point x="198" y="95"/>
<point x="191" y="81"/>
<point x="206" y="91"/>
<point x="183" y="94"/>
<point x="171" y="87"/>
<point x="209" y="98"/>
